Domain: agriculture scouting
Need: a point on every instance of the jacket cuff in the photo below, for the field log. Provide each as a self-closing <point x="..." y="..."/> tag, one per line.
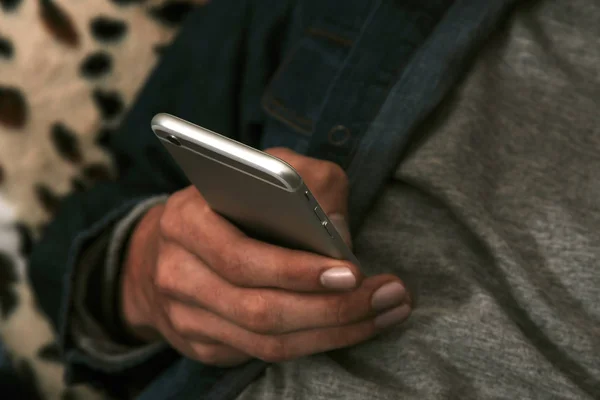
<point x="96" y="324"/>
<point x="92" y="351"/>
<point x="115" y="259"/>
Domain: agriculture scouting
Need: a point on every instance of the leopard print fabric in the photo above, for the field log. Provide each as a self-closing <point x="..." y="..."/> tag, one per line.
<point x="68" y="72"/>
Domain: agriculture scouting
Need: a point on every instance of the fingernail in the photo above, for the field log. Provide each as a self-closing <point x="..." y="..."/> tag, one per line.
<point x="389" y="295"/>
<point x="392" y="317"/>
<point x="338" y="278"/>
<point x="341" y="226"/>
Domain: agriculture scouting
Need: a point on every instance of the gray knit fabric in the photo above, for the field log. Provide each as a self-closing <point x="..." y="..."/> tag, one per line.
<point x="494" y="221"/>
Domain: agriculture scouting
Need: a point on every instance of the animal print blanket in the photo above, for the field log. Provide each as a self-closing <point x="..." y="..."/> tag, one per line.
<point x="68" y="72"/>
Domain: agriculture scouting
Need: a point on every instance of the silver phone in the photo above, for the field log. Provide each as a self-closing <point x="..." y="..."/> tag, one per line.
<point x="261" y="194"/>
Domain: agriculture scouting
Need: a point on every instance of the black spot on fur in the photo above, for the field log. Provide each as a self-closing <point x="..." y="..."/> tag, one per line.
<point x="171" y="13"/>
<point x="105" y="29"/>
<point x="124" y="3"/>
<point x="41" y="228"/>
<point x="10" y="385"/>
<point x="160" y="49"/>
<point x="6" y="48"/>
<point x="68" y="395"/>
<point x="9" y="5"/>
<point x="78" y="185"/>
<point x="30" y="382"/>
<point x="58" y="23"/>
<point x="8" y="277"/>
<point x="13" y="107"/>
<point x="47" y="197"/>
<point x="8" y="302"/>
<point x="8" y="274"/>
<point x="26" y="238"/>
<point x="123" y="162"/>
<point x="103" y="137"/>
<point x="50" y="352"/>
<point x="96" y="64"/>
<point x="97" y="172"/>
<point x="66" y="143"/>
<point x="109" y="103"/>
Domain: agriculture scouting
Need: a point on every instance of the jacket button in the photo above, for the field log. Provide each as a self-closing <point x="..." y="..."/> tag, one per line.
<point x="339" y="135"/>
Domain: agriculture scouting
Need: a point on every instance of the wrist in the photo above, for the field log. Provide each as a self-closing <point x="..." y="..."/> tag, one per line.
<point x="135" y="286"/>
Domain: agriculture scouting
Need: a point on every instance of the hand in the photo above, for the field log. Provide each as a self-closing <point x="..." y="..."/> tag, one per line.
<point x="221" y="297"/>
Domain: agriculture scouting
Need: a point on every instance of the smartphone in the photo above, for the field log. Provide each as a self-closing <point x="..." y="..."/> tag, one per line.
<point x="261" y="194"/>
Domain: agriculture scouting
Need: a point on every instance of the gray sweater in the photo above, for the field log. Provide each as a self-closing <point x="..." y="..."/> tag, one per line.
<point x="493" y="221"/>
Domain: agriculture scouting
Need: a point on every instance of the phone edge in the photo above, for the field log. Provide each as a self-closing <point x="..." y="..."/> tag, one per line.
<point x="226" y="147"/>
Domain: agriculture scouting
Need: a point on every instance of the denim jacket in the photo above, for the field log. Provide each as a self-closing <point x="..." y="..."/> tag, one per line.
<point x="347" y="82"/>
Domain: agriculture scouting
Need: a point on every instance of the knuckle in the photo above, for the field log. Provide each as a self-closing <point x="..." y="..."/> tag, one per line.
<point x="230" y="264"/>
<point x="274" y="350"/>
<point x="329" y="176"/>
<point x="289" y="270"/>
<point x="170" y="220"/>
<point x="343" y="182"/>
<point x="165" y="276"/>
<point x="337" y="174"/>
<point x="177" y="211"/>
<point x="343" y="312"/>
<point x="189" y="211"/>
<point x="179" y="321"/>
<point x="256" y="315"/>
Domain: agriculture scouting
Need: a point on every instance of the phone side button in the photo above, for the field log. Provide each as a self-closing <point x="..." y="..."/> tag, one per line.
<point x="328" y="228"/>
<point x="320" y="214"/>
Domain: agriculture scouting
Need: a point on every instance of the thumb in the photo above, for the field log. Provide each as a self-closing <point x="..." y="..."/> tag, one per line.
<point x="341" y="226"/>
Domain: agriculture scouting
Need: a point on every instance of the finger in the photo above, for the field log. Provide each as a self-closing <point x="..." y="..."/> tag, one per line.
<point x="258" y="264"/>
<point x="271" y="311"/>
<point x="218" y="355"/>
<point x="208" y="352"/>
<point x="277" y="348"/>
<point x="247" y="262"/>
<point x="188" y="219"/>
<point x="202" y="347"/>
<point x="173" y="326"/>
<point x="326" y="180"/>
<point x="296" y="160"/>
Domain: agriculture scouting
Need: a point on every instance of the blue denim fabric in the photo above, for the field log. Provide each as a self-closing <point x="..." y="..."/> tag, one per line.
<point x="354" y="81"/>
<point x="80" y="242"/>
<point x="340" y="72"/>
